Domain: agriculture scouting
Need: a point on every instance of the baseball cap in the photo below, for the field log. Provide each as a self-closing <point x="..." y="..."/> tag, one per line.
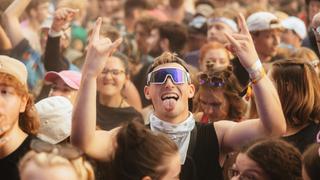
<point x="260" y="21"/>
<point x="14" y="67"/>
<point x="224" y="20"/>
<point x="71" y="78"/>
<point x="295" y="24"/>
<point x="55" y="115"/>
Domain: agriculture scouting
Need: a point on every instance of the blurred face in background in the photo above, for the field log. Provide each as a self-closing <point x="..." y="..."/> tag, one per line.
<point x="113" y="77"/>
<point x="214" y="104"/>
<point x="216" y="30"/>
<point x="219" y="57"/>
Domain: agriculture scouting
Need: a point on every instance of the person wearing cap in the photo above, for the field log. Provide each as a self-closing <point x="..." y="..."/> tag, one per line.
<point x="55" y="119"/>
<point x="64" y="83"/>
<point x="19" y="120"/>
<point x="294" y="32"/>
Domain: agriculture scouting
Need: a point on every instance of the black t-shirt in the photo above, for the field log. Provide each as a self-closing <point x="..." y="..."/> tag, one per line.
<point x="304" y="137"/>
<point x="203" y="164"/>
<point x="8" y="165"/>
<point x="110" y="117"/>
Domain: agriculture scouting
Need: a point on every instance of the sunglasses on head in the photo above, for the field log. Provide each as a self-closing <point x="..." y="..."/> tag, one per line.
<point x="212" y="81"/>
<point x="178" y="76"/>
<point x="67" y="150"/>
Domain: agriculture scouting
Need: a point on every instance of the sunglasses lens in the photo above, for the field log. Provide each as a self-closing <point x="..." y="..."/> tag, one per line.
<point x="70" y="151"/>
<point x="177" y="75"/>
<point x="41" y="146"/>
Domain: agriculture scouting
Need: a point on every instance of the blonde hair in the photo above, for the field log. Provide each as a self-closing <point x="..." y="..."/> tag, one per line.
<point x="82" y="168"/>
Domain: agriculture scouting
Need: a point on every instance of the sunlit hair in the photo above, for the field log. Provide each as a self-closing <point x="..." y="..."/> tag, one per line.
<point x="82" y="168"/>
<point x="210" y="46"/>
<point x="166" y="58"/>
<point x="298" y="88"/>
<point x="141" y="152"/>
<point x="306" y="54"/>
<point x="28" y="120"/>
<point x="311" y="161"/>
<point x="278" y="159"/>
<point x="231" y="90"/>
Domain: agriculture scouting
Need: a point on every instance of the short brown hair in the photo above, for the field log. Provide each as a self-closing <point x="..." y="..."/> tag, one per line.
<point x="34" y="4"/>
<point x="168" y="57"/>
<point x="28" y="120"/>
<point x="311" y="161"/>
<point x="279" y="159"/>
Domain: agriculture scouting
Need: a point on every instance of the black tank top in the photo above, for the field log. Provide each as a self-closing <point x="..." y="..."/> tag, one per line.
<point x="203" y="162"/>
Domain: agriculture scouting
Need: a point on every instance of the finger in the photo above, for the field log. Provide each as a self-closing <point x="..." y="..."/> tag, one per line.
<point x="116" y="43"/>
<point x="237" y="36"/>
<point x="96" y="30"/>
<point x="242" y="24"/>
<point x="73" y="11"/>
<point x="231" y="40"/>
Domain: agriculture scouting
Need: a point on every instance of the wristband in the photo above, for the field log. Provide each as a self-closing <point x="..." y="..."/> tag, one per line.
<point x="255" y="66"/>
<point x="257" y="75"/>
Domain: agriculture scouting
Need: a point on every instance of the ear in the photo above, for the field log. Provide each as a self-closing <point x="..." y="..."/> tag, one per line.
<point x="164" y="44"/>
<point x="192" y="90"/>
<point x="23" y="104"/>
<point x="146" y="178"/>
<point x="146" y="91"/>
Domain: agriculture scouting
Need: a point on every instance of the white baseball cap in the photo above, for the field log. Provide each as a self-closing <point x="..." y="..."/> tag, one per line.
<point x="55" y="114"/>
<point x="260" y="21"/>
<point x="295" y="24"/>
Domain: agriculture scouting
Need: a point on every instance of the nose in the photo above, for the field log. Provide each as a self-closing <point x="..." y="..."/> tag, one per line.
<point x="169" y="83"/>
<point x="276" y="40"/>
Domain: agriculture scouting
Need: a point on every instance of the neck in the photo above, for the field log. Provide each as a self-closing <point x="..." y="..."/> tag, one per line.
<point x="173" y="120"/>
<point x="111" y="101"/>
<point x="17" y="136"/>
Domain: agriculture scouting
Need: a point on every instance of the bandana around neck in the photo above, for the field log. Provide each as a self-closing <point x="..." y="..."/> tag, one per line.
<point x="179" y="133"/>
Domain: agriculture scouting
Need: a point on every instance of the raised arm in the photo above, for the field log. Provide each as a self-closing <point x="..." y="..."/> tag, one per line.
<point x="10" y="20"/>
<point x="53" y="59"/>
<point x="5" y="44"/>
<point x="272" y="122"/>
<point x="97" y="144"/>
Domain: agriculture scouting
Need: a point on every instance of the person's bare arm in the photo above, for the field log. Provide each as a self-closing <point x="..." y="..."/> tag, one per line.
<point x="5" y="43"/>
<point x="10" y="20"/>
<point x="97" y="144"/>
<point x="272" y="122"/>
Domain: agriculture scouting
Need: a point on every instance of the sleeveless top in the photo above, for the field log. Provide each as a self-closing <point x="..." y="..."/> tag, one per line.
<point x="304" y="137"/>
<point x="202" y="162"/>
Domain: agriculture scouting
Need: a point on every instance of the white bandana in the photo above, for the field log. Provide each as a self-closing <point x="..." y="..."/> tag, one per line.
<point x="179" y="133"/>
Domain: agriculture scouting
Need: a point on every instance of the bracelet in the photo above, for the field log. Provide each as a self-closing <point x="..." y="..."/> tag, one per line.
<point x="257" y="75"/>
<point x="255" y="66"/>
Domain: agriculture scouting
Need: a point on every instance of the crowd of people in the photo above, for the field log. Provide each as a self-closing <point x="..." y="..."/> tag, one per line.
<point x="162" y="89"/>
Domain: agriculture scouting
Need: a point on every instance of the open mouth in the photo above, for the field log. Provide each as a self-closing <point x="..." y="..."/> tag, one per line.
<point x="170" y="96"/>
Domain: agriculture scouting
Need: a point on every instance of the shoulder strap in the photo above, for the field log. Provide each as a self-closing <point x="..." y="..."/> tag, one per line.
<point x="193" y="140"/>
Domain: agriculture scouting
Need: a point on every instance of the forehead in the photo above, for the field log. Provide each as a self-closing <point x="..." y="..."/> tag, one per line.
<point x="167" y="65"/>
<point x="219" y="24"/>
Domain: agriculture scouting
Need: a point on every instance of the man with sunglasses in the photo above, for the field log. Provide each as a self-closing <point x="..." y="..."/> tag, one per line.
<point x="169" y="88"/>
